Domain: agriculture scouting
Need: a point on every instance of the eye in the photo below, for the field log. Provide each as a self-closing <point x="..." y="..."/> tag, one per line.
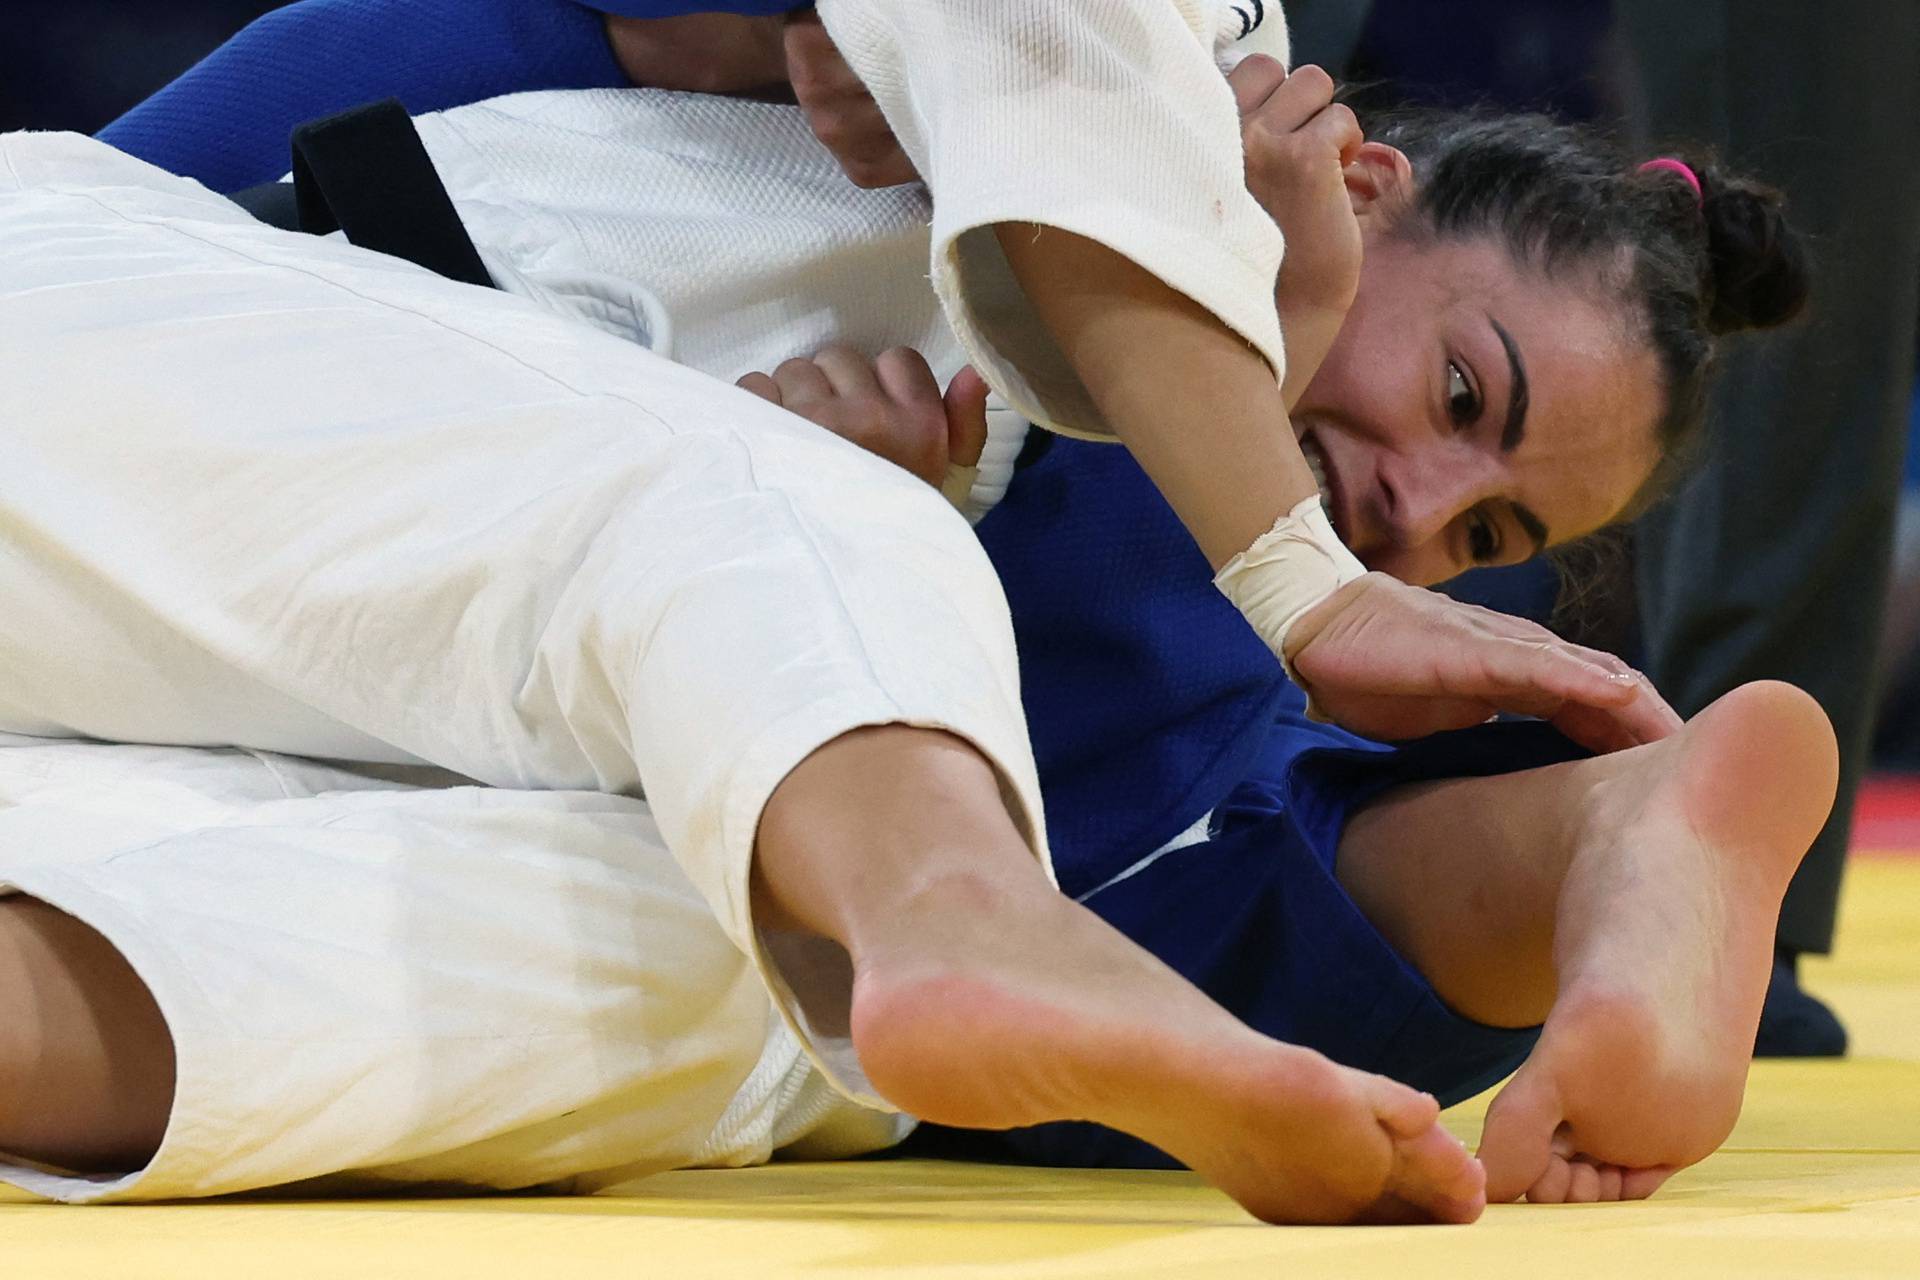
<point x="1483" y="538"/>
<point x="1463" y="401"/>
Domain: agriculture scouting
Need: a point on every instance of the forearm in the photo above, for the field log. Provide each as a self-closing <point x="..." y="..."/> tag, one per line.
<point x="1105" y="118"/>
<point x="1193" y="402"/>
<point x="1309" y="336"/>
<point x="226" y="122"/>
<point x="732" y="53"/>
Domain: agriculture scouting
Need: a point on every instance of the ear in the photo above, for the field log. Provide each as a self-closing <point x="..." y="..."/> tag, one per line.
<point x="1379" y="177"/>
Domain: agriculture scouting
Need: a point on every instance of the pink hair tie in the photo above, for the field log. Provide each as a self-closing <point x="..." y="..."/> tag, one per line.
<point x="1670" y="165"/>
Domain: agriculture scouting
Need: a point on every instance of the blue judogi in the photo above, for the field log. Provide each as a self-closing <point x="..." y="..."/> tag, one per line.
<point x="226" y="122"/>
<point x="1152" y="705"/>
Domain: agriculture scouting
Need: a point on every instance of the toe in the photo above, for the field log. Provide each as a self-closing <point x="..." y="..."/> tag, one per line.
<point x="1406" y="1113"/>
<point x="1583" y="1183"/>
<point x="1551" y="1186"/>
<point x="1638" y="1184"/>
<point x="1612" y="1178"/>
<point x="1516" y="1144"/>
<point x="1434" y="1173"/>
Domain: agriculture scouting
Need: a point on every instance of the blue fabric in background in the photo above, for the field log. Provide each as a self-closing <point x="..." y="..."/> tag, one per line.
<point x="1913" y="445"/>
<point x="226" y="122"/>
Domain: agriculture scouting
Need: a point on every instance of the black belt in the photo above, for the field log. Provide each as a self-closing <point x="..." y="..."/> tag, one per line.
<point x="365" y="172"/>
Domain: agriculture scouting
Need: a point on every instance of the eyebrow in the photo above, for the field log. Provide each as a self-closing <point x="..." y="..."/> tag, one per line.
<point x="1518" y="393"/>
<point x="1535" y="528"/>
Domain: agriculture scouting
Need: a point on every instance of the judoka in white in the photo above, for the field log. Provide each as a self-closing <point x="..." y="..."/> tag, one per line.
<point x="280" y="492"/>
<point x="294" y="496"/>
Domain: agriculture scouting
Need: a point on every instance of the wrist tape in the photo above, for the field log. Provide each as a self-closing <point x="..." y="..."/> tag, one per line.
<point x="958" y="486"/>
<point x="1286" y="572"/>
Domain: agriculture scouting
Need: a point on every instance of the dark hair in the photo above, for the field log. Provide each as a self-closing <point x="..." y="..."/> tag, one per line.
<point x="1568" y="197"/>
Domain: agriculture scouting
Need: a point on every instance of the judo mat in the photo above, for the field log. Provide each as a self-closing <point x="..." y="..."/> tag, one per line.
<point x="1821" y="1179"/>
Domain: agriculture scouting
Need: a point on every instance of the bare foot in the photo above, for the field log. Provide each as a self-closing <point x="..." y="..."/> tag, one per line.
<point x="1663" y="945"/>
<point x="993" y="1010"/>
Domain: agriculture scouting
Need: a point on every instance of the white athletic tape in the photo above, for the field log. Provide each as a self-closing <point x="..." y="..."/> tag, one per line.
<point x="958" y="486"/>
<point x="1286" y="572"/>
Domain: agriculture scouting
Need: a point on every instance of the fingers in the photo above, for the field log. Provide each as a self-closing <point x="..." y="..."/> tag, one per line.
<point x="1523" y="674"/>
<point x="1602" y="729"/>
<point x="1300" y="95"/>
<point x="1650" y="716"/>
<point x="801" y="382"/>
<point x="1254" y="81"/>
<point x="1601" y="709"/>
<point x="1598" y="729"/>
<point x="903" y="374"/>
<point x="1338" y="129"/>
<point x="850" y="375"/>
<point x="1622" y="710"/>
<point x="839" y="110"/>
<point x="1593" y="697"/>
<point x="890" y="407"/>
<point x="761" y="385"/>
<point x="1390" y="662"/>
<point x="966" y="409"/>
<point x="1644" y="715"/>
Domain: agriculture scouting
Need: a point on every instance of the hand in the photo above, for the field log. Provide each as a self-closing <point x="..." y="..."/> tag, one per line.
<point x="840" y="111"/>
<point x="891" y="407"/>
<point x="1298" y="142"/>
<point x="1391" y="661"/>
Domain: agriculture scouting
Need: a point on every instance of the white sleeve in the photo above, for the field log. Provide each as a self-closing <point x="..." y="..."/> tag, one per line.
<point x="1106" y="118"/>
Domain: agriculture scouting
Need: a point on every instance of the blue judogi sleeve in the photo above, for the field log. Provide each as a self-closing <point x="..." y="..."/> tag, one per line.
<point x="226" y="122"/>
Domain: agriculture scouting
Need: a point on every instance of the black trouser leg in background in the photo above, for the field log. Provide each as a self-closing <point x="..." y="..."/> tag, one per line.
<point x="1773" y="560"/>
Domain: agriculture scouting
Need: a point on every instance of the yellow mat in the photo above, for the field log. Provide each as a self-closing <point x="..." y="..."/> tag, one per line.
<point x="1822" y="1179"/>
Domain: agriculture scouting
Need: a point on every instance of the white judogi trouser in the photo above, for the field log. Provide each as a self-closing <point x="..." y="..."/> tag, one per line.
<point x="373" y="978"/>
<point x="271" y="491"/>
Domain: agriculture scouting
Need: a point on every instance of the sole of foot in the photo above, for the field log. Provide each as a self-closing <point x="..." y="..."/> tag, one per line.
<point x="1000" y="1011"/>
<point x="1663" y="948"/>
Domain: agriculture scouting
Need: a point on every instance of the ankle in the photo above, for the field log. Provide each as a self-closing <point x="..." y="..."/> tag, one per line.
<point x="886" y="821"/>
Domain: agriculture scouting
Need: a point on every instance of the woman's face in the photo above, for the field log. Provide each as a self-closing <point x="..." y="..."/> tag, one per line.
<point x="1473" y="412"/>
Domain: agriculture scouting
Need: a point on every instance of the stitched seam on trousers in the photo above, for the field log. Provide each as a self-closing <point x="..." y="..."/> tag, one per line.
<point x="805" y="529"/>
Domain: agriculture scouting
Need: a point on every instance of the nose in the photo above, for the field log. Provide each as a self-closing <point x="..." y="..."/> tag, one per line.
<point x="1423" y="492"/>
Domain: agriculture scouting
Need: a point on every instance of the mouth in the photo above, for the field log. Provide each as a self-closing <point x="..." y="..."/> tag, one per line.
<point x="1322" y="475"/>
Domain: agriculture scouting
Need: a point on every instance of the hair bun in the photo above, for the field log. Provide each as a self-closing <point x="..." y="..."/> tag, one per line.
<point x="1759" y="266"/>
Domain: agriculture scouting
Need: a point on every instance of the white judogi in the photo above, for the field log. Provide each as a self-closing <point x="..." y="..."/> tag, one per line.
<point x="1106" y="118"/>
<point x="720" y="233"/>
<point x="268" y="491"/>
<point x="714" y="231"/>
<point x="281" y="492"/>
<point x="379" y="977"/>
